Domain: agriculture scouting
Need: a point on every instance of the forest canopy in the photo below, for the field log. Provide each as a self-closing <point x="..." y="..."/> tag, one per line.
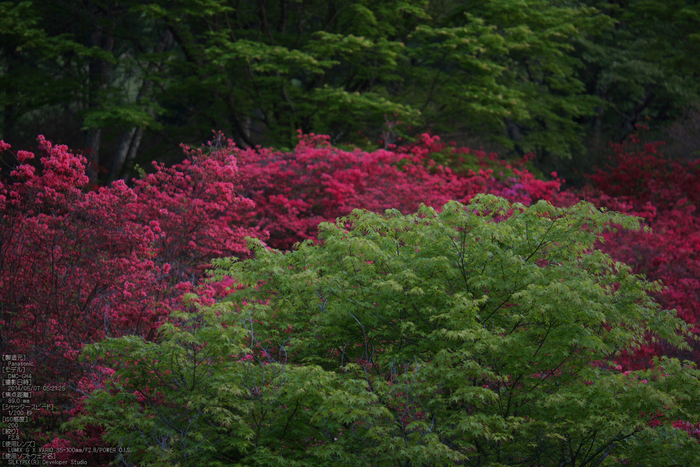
<point x="128" y="81"/>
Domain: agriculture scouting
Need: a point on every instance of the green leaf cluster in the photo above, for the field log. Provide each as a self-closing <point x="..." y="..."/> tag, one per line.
<point x="478" y="335"/>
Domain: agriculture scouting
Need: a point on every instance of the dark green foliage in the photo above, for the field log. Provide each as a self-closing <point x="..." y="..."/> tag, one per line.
<point x="531" y="75"/>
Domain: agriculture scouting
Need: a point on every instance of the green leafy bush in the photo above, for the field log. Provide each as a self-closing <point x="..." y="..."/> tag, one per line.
<point x="478" y="335"/>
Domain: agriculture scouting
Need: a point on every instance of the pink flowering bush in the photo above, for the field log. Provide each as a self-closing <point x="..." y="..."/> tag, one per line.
<point x="77" y="266"/>
<point x="641" y="181"/>
<point x="294" y="192"/>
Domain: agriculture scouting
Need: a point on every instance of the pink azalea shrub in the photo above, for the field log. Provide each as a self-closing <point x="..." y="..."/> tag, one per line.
<point x="77" y="266"/>
<point x="641" y="181"/>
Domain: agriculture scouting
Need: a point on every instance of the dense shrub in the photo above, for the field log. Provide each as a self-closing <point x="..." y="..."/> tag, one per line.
<point x="641" y="181"/>
<point x="78" y="266"/>
<point x="294" y="192"/>
<point x="481" y="335"/>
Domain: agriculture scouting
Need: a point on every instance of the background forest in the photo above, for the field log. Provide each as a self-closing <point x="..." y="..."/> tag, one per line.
<point x="184" y="266"/>
<point x="126" y="82"/>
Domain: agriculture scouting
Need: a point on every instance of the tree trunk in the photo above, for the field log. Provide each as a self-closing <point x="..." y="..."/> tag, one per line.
<point x="120" y="156"/>
<point x="92" y="153"/>
<point x="132" y="154"/>
<point x="131" y="139"/>
<point x="98" y="71"/>
<point x="598" y="127"/>
<point x="8" y="123"/>
<point x="513" y="132"/>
